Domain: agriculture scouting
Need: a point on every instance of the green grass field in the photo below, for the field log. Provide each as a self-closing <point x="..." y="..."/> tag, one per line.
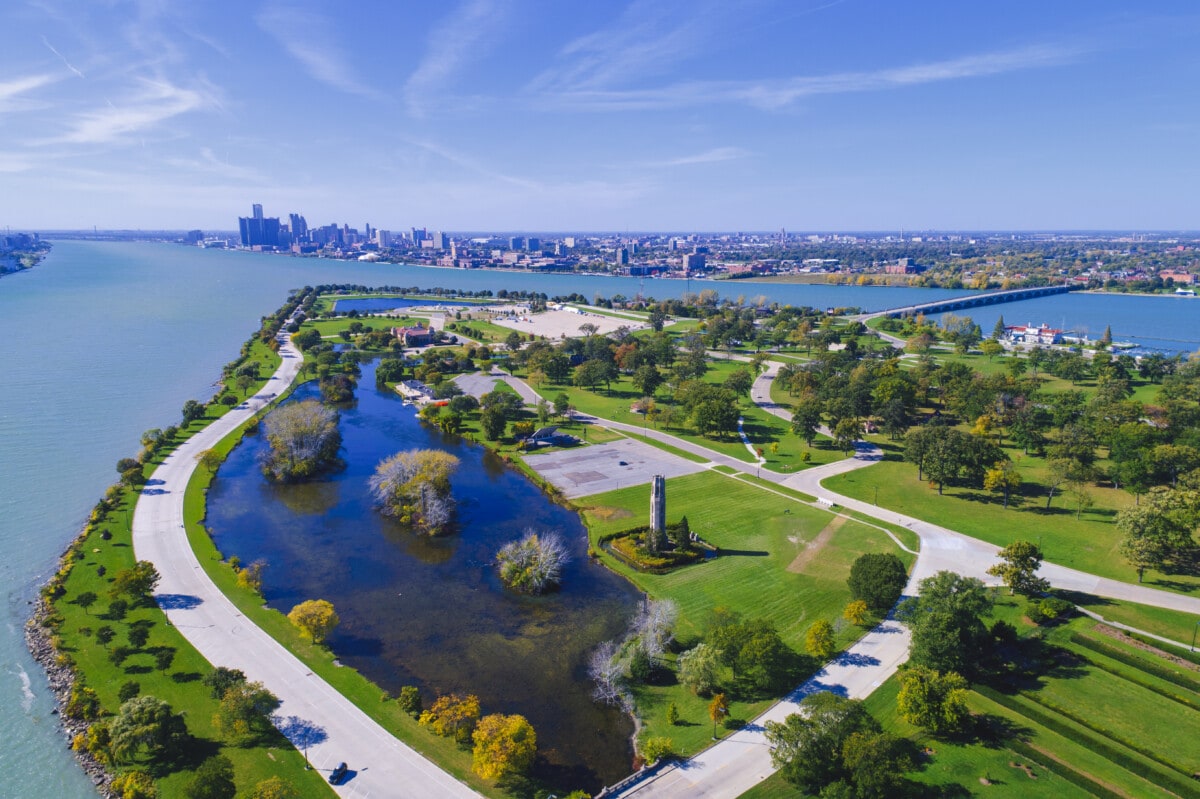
<point x="760" y="576"/>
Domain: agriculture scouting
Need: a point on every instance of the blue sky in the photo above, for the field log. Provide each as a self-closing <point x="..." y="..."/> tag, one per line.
<point x="642" y="115"/>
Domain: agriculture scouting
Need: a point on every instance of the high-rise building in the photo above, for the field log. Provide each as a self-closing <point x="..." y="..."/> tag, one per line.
<point x="257" y="230"/>
<point x="532" y="244"/>
<point x="299" y="227"/>
<point x="692" y="261"/>
<point x="418" y="236"/>
<point x="516" y="243"/>
<point x="622" y="256"/>
<point x="383" y="238"/>
<point x="441" y="241"/>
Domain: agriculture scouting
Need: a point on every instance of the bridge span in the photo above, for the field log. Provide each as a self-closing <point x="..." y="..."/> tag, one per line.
<point x="969" y="301"/>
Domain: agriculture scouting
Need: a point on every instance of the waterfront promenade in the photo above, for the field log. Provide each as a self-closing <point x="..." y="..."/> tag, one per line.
<point x="379" y="764"/>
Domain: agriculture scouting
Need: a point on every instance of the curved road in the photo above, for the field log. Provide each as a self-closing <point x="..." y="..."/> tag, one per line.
<point x="380" y="765"/>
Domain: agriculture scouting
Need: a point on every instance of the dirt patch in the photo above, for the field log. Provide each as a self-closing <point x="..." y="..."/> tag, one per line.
<point x="1121" y="635"/>
<point x="607" y="514"/>
<point x="812" y="548"/>
<point x="1023" y="767"/>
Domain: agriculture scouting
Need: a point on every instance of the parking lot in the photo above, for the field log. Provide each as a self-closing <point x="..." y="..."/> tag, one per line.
<point x="605" y="467"/>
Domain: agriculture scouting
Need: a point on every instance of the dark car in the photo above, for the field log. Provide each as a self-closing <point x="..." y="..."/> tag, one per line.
<point x="338" y="774"/>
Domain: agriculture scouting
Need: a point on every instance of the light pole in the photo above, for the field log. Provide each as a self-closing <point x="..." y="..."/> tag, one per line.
<point x="1194" y="629"/>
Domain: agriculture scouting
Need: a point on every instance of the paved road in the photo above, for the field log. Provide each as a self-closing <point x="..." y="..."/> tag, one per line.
<point x="380" y="765"/>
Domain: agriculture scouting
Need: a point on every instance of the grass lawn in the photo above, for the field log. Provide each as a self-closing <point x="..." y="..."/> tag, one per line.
<point x="331" y="327"/>
<point x="1088" y="543"/>
<point x="759" y="575"/>
<point x="1170" y="624"/>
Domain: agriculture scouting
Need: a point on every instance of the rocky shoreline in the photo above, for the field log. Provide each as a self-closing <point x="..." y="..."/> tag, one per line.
<point x="60" y="678"/>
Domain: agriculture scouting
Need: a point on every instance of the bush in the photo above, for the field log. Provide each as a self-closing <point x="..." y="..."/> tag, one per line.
<point x="1048" y="610"/>
<point x="658" y="748"/>
<point x="534" y="564"/>
<point x="409" y="700"/>
<point x="129" y="690"/>
<point x="134" y="785"/>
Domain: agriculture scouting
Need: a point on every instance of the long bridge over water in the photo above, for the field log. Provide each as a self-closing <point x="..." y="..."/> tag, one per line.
<point x="969" y="301"/>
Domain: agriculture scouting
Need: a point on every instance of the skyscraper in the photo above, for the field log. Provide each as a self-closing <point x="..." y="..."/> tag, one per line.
<point x="257" y="230"/>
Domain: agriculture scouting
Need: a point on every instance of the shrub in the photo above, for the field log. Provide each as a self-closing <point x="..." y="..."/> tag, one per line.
<point x="878" y="579"/>
<point x="129" y="690"/>
<point x="134" y="785"/>
<point x="409" y="700"/>
<point x="658" y="748"/>
<point x="533" y="564"/>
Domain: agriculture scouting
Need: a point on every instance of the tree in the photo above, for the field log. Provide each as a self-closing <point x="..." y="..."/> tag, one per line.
<point x="221" y="679"/>
<point x="244" y="713"/>
<point x="493" y="421"/>
<point x="846" y="432"/>
<point x="948" y="633"/>
<point x="146" y="723"/>
<point x="513" y="341"/>
<point x="136" y="582"/>
<point x="210" y="460"/>
<point x="410" y="484"/>
<point x="647" y="379"/>
<point x="807" y="747"/>
<point x="672" y="714"/>
<point x="857" y="612"/>
<point x="452" y="714"/>
<point x="991" y="348"/>
<point x="739" y="381"/>
<point x="1160" y="529"/>
<point x="819" y="640"/>
<point x="878" y="579"/>
<point x="315" y="619"/>
<point x="504" y="745"/>
<point x="533" y="564"/>
<point x="875" y="764"/>
<point x="699" y="666"/>
<point x="213" y="780"/>
<point x="998" y="332"/>
<point x="304" y="439"/>
<point x="806" y="418"/>
<point x="134" y="785"/>
<point x="562" y="404"/>
<point x="138" y="635"/>
<point x="657" y="748"/>
<point x="104" y="635"/>
<point x="1019" y="562"/>
<point x="274" y="788"/>
<point x="718" y="710"/>
<point x="932" y="700"/>
<point x="192" y="411"/>
<point x="1003" y="476"/>
<point x="409" y="700"/>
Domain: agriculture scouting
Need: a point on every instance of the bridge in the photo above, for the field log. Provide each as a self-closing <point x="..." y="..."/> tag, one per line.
<point x="969" y="301"/>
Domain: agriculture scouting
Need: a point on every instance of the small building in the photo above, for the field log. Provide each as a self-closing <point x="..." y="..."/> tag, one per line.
<point x="419" y="336"/>
<point x="1029" y="334"/>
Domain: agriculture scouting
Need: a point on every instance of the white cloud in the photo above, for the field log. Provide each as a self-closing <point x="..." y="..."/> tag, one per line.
<point x="777" y="94"/>
<point x="11" y="91"/>
<point x="155" y="102"/>
<point x="305" y="36"/>
<point x="452" y="43"/>
<point x="713" y="156"/>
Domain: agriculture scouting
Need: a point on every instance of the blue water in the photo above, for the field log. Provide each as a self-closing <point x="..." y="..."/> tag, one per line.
<point x="433" y="612"/>
<point x="105" y="340"/>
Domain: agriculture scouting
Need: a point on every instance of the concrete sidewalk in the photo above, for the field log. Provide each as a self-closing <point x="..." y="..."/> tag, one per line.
<point x="380" y="765"/>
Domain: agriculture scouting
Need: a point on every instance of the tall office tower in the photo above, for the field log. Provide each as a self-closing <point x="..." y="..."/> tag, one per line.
<point x="299" y="227"/>
<point x="259" y="231"/>
<point x="258" y="211"/>
<point x="441" y="241"/>
<point x="622" y="256"/>
<point x="516" y="243"/>
<point x="383" y="238"/>
<point x="418" y="236"/>
<point x="532" y="244"/>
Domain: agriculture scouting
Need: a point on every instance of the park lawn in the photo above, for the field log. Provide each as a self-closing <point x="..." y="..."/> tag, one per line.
<point x="332" y="327"/>
<point x="752" y="577"/>
<point x="179" y="685"/>
<point x="1172" y="624"/>
<point x="1088" y="543"/>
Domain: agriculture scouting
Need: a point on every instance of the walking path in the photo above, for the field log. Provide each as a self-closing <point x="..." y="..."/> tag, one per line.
<point x="380" y="765"/>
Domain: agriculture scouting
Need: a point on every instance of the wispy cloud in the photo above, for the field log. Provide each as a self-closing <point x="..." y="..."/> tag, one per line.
<point x="714" y="156"/>
<point x="473" y="165"/>
<point x="12" y="91"/>
<point x="68" y="64"/>
<point x="648" y="37"/>
<point x="305" y="37"/>
<point x="210" y="164"/>
<point x="452" y="44"/>
<point x="155" y="102"/>
<point x="778" y="94"/>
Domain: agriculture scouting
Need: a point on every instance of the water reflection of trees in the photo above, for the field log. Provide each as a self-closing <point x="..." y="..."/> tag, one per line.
<point x="433" y="550"/>
<point x="309" y="499"/>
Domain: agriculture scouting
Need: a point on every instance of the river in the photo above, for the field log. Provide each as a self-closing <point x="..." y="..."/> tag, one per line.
<point x="105" y="340"/>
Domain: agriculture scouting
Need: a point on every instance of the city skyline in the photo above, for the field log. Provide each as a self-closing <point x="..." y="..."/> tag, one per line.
<point x="495" y="115"/>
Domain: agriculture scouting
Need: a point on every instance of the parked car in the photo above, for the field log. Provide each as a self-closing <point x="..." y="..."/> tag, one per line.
<point x="338" y="774"/>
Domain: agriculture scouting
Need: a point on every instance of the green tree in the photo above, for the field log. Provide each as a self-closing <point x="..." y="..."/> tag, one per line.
<point x="699" y="667"/>
<point x="948" y="633"/>
<point x="807" y="747"/>
<point x="819" y="640"/>
<point x="315" y="618"/>
<point x="221" y="679"/>
<point x="932" y="700"/>
<point x="86" y="600"/>
<point x="244" y="713"/>
<point x="1019" y="562"/>
<point x="493" y="421"/>
<point x="136" y="582"/>
<point x="164" y="656"/>
<point x="138" y="635"/>
<point x="672" y="714"/>
<point x="806" y="418"/>
<point x="192" y="411"/>
<point x="739" y="381"/>
<point x="105" y="635"/>
<point x="875" y="764"/>
<point x="134" y="785"/>
<point x="213" y="780"/>
<point x="846" y="432"/>
<point x="877" y="578"/>
<point x="146" y="723"/>
<point x="657" y="748"/>
<point x="1159" y="530"/>
<point x="409" y="700"/>
<point x="504" y="745"/>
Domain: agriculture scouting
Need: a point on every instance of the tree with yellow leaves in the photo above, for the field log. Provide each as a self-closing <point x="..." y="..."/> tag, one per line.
<point x="315" y="619"/>
<point x="503" y="745"/>
<point x="452" y="714"/>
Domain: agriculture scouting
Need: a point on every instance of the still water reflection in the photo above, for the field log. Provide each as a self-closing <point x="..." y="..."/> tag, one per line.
<point x="432" y="612"/>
